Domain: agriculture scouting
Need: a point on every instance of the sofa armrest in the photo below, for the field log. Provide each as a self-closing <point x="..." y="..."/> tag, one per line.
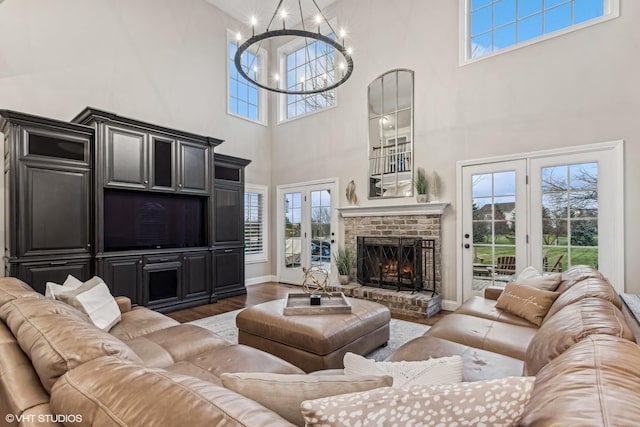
<point x="124" y="304"/>
<point x="493" y="292"/>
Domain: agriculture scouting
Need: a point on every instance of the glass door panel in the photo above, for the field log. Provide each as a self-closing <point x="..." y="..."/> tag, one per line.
<point x="569" y="195"/>
<point x="493" y="246"/>
<point x="293" y="230"/>
<point x="321" y="229"/>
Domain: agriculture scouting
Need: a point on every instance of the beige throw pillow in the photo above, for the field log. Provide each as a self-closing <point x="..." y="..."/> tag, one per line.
<point x="494" y="403"/>
<point x="529" y="303"/>
<point x="70" y="283"/>
<point x="283" y="393"/>
<point x="443" y="370"/>
<point x="94" y="298"/>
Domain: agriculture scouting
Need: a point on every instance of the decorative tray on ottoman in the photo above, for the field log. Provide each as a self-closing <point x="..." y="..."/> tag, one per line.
<point x="299" y="303"/>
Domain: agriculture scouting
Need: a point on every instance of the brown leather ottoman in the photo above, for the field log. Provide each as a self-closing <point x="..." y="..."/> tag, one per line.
<point x="314" y="342"/>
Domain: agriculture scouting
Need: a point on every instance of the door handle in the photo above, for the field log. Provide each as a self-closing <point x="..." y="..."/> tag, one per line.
<point x="333" y="241"/>
<point x="466" y="246"/>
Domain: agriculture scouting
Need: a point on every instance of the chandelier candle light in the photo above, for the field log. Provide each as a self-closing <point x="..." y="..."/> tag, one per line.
<point x="321" y="80"/>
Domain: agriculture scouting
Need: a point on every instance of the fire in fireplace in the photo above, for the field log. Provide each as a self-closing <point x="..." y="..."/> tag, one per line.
<point x="397" y="262"/>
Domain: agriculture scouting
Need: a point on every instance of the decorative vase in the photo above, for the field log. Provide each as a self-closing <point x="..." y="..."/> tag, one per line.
<point x="421" y="198"/>
<point x="344" y="279"/>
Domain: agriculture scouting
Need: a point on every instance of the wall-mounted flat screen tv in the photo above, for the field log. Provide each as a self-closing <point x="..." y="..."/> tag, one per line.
<point x="145" y="220"/>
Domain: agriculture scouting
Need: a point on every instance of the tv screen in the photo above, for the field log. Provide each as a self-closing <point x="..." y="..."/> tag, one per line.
<point x="139" y="220"/>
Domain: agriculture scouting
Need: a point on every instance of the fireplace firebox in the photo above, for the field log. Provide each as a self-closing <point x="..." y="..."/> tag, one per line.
<point x="397" y="262"/>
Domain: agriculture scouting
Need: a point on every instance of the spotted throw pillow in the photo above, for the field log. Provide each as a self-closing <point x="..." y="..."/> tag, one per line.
<point x="494" y="403"/>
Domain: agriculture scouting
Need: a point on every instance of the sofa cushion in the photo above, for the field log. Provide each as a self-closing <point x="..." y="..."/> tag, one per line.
<point x="576" y="274"/>
<point x="497" y="402"/>
<point x="140" y="321"/>
<point x="108" y="391"/>
<point x="570" y="325"/>
<point x="486" y="308"/>
<point x="594" y="383"/>
<point x="12" y="288"/>
<point x="478" y="365"/>
<point x="210" y="365"/>
<point x="485" y="334"/>
<point x="431" y="371"/>
<point x="57" y="337"/>
<point x="94" y="298"/>
<point x="283" y="393"/>
<point x="527" y="302"/>
<point x="585" y="288"/>
<point x="162" y="348"/>
<point x="20" y="387"/>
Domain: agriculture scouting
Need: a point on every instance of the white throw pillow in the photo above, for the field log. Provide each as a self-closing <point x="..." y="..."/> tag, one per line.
<point x="442" y="370"/>
<point x="531" y="277"/>
<point x="69" y="283"/>
<point x="528" y="273"/>
<point x="94" y="298"/>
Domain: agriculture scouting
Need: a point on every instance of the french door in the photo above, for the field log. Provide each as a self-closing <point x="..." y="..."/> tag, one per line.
<point x="548" y="209"/>
<point x="307" y="224"/>
<point x="494" y="224"/>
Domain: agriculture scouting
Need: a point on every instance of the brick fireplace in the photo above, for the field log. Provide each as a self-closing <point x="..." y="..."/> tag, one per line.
<point x="414" y="221"/>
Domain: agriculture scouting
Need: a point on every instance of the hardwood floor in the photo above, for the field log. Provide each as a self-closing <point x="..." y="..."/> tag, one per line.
<point x="264" y="292"/>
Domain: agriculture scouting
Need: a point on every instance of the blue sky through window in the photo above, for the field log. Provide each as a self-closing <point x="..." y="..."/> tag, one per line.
<point x="243" y="95"/>
<point x="498" y="24"/>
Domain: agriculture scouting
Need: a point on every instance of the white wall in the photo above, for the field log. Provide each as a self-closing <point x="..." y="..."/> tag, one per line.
<point x="575" y="89"/>
<point x="161" y="61"/>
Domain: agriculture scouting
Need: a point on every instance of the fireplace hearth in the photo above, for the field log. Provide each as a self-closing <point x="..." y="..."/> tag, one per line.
<point x="401" y="263"/>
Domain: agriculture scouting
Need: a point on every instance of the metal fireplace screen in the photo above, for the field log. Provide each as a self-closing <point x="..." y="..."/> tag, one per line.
<point x="397" y="262"/>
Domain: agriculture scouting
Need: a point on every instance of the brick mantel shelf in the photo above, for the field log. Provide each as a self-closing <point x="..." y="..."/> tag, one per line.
<point x="430" y="208"/>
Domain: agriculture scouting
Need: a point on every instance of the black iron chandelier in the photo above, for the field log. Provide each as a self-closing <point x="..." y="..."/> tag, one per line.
<point x="321" y="77"/>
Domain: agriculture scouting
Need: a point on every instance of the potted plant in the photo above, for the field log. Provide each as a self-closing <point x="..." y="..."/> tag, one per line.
<point x="344" y="258"/>
<point x="421" y="185"/>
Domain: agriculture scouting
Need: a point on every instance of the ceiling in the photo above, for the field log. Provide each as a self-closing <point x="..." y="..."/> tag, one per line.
<point x="243" y="10"/>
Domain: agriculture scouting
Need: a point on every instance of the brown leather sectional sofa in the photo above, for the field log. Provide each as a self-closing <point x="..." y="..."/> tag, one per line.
<point x="584" y="355"/>
<point x="149" y="370"/>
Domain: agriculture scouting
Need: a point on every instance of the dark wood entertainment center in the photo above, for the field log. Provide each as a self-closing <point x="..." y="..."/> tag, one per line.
<point x="173" y="236"/>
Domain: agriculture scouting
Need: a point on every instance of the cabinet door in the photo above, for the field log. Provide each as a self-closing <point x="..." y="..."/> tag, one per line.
<point x="54" y="211"/>
<point x="162" y="283"/>
<point x="123" y="275"/>
<point x="194" y="169"/>
<point x="37" y="274"/>
<point x="229" y="272"/>
<point x="197" y="274"/>
<point x="163" y="165"/>
<point x="126" y="158"/>
<point x="229" y="214"/>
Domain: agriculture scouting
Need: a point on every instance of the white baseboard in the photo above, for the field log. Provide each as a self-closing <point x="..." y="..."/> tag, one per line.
<point x="260" y="279"/>
<point x="449" y="305"/>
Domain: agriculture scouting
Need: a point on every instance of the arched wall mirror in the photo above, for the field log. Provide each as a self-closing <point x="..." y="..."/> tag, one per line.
<point x="390" y="98"/>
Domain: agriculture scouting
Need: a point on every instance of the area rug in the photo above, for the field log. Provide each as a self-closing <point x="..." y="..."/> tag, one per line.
<point x="401" y="331"/>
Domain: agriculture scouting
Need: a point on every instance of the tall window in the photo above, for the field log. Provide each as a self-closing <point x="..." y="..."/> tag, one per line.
<point x="495" y="25"/>
<point x="245" y="99"/>
<point x="255" y="224"/>
<point x="309" y="66"/>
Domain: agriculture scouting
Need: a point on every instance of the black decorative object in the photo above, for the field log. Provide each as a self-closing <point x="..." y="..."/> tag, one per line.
<point x="315" y="85"/>
<point x="315" y="299"/>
